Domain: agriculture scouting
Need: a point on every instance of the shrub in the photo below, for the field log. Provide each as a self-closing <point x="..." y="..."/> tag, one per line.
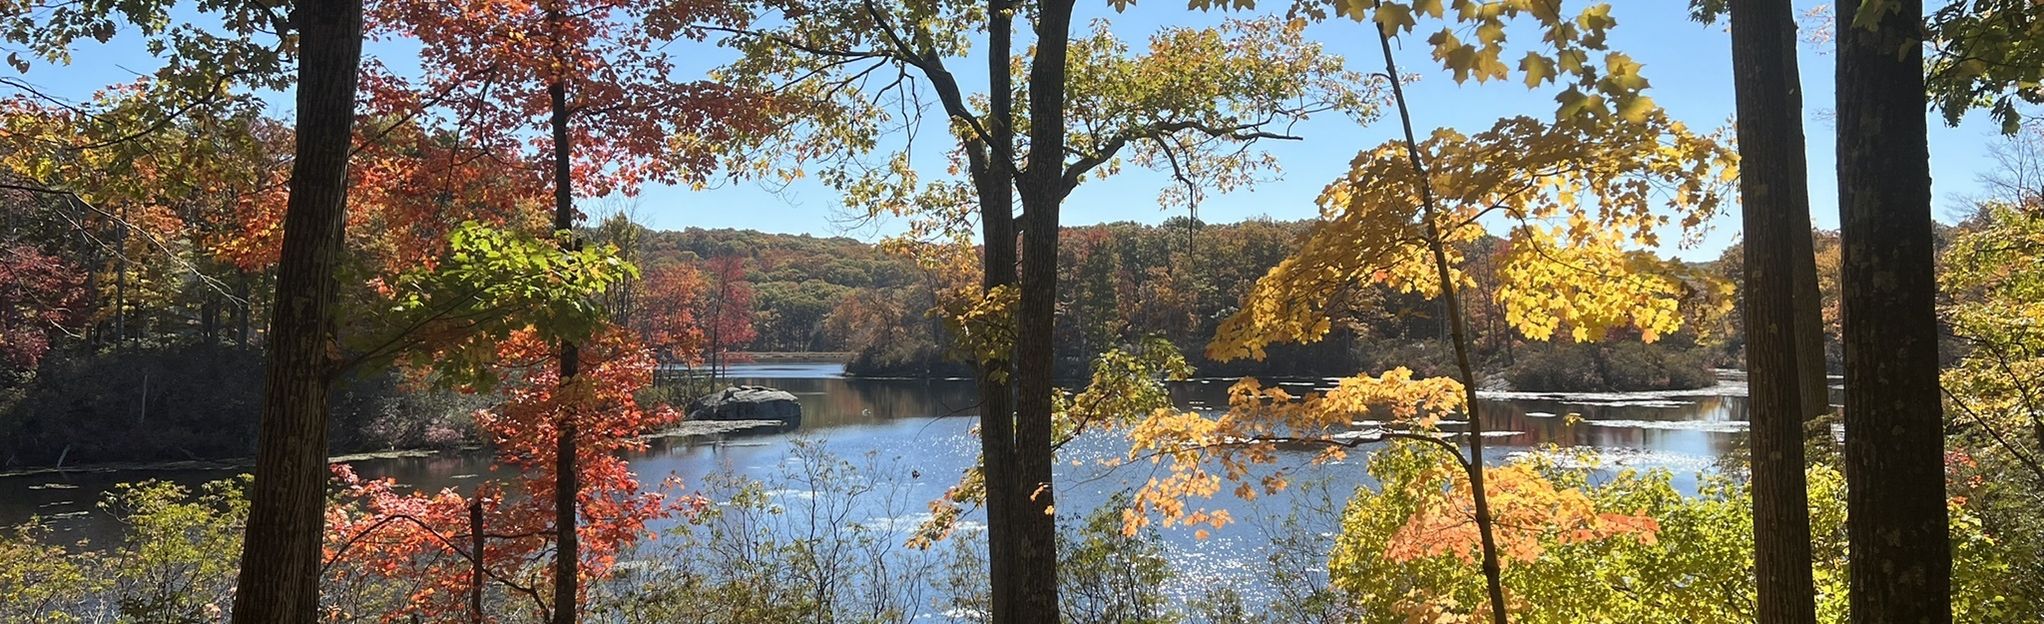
<point x="1613" y="366"/>
<point x="174" y="565"/>
<point x="911" y="359"/>
<point x="195" y="401"/>
<point x="384" y="410"/>
<point x="1563" y="563"/>
<point x="204" y="401"/>
<point x="818" y="541"/>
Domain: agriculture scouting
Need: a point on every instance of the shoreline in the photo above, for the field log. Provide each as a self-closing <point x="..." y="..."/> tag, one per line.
<point x="684" y="430"/>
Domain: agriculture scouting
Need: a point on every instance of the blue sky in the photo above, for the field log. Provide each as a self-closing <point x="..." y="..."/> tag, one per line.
<point x="1689" y="64"/>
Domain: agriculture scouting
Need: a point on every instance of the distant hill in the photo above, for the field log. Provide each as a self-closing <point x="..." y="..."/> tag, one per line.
<point x="1118" y="283"/>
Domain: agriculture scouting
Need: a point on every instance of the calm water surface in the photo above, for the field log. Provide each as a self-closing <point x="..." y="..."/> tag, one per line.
<point x="923" y="428"/>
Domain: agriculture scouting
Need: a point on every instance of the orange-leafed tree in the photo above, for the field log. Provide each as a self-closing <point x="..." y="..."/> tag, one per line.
<point x="725" y="310"/>
<point x="411" y="184"/>
<point x="666" y="313"/>
<point x="590" y="87"/>
<point x="425" y="544"/>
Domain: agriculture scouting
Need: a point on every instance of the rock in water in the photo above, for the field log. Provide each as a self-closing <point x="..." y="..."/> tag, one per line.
<point x="748" y="403"/>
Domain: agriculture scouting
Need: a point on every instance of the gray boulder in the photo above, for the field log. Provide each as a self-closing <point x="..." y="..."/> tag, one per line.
<point x="747" y="403"/>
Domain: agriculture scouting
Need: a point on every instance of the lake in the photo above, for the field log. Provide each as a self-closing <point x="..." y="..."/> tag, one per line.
<point x="923" y="427"/>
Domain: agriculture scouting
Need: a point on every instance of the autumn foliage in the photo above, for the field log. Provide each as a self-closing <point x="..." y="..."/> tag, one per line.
<point x="423" y="539"/>
<point x="1530" y="510"/>
<point x="39" y="295"/>
<point x="667" y="313"/>
<point x="487" y="66"/>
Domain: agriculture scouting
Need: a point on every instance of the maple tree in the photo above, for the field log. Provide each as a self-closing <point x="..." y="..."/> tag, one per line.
<point x="146" y="165"/>
<point x="158" y="195"/>
<point x="425" y="538"/>
<point x="39" y="295"/>
<point x="1398" y="217"/>
<point x="666" y="316"/>
<point x="481" y="317"/>
<point x="1984" y="54"/>
<point x="726" y="310"/>
<point x="590" y="85"/>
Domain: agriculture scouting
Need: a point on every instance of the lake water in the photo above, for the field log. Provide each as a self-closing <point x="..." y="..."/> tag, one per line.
<point x="924" y="427"/>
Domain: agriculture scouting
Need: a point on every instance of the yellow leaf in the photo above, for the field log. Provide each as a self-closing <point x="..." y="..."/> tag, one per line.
<point x="1635" y="109"/>
<point x="1538" y="69"/>
<point x="1393" y="17"/>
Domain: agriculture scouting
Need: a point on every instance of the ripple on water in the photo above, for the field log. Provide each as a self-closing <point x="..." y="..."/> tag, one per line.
<point x="1711" y="426"/>
<point x="1649" y="403"/>
<point x="1724" y="388"/>
<point x="1681" y="463"/>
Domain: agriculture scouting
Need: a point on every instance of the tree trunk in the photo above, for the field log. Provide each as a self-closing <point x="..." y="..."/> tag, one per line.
<point x="95" y="332"/>
<point x="1894" y="440"/>
<point x="121" y="279"/>
<point x="242" y="307"/>
<point x="993" y="174"/>
<point x="1809" y="303"/>
<point x="567" y="550"/>
<point x="280" y="554"/>
<point x="1042" y="190"/>
<point x="1775" y="204"/>
<point x="1493" y="570"/>
<point x="209" y="316"/>
<point x="477" y="575"/>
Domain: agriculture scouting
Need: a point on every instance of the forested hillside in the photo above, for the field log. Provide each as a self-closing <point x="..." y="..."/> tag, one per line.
<point x="1123" y="282"/>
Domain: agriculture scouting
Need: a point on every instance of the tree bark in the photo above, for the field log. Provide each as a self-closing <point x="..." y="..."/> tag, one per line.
<point x="995" y="181"/>
<point x="280" y="554"/>
<point x="1042" y="190"/>
<point x="477" y="575"/>
<point x="1779" y="265"/>
<point x="567" y="481"/>
<point x="1894" y="443"/>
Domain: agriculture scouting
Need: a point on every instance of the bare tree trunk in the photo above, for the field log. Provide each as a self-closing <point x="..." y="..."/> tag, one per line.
<point x="1809" y="305"/>
<point x="1894" y="439"/>
<point x="121" y="279"/>
<point x="242" y="312"/>
<point x="476" y="574"/>
<point x="567" y="550"/>
<point x="209" y="317"/>
<point x="996" y="382"/>
<point x="1779" y="264"/>
<point x="1493" y="571"/>
<point x="1042" y="190"/>
<point x="95" y="333"/>
<point x="280" y="553"/>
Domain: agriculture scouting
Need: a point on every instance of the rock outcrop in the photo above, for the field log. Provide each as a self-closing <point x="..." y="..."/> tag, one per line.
<point x="748" y="403"/>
